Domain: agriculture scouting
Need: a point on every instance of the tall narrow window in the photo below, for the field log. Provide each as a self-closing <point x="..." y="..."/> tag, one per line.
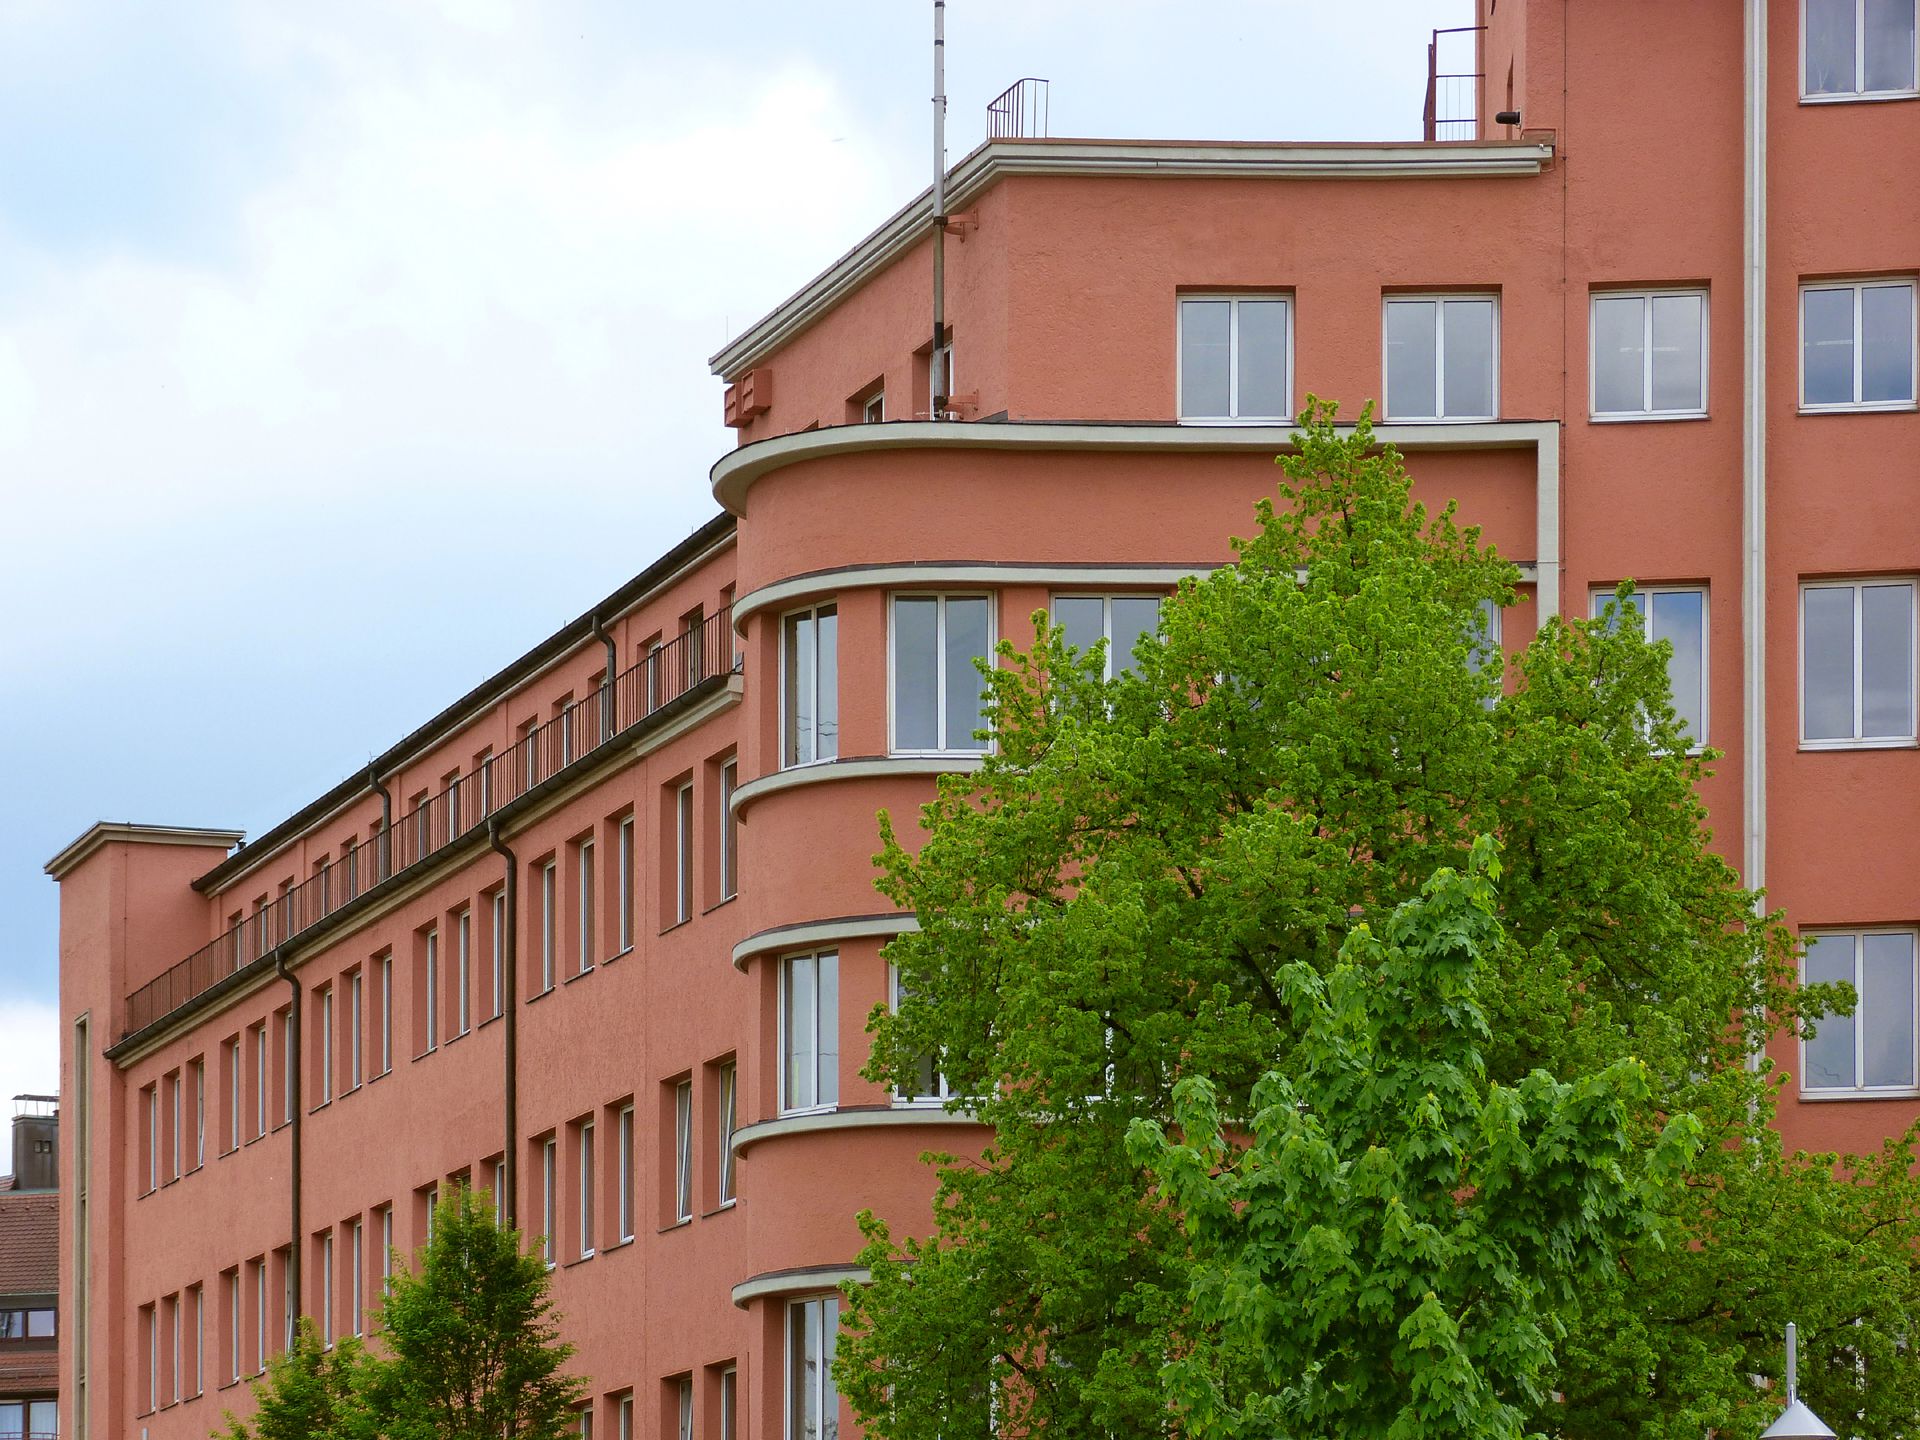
<point x="585" y="905"/>
<point x="549" y="1198"/>
<point x="625" y="1143"/>
<point x="813" y="1405"/>
<point x="624" y="1429"/>
<point x="728" y="1083"/>
<point x="499" y="951"/>
<point x="356" y="1293"/>
<point x="684" y="1404"/>
<point x="683" y="852"/>
<point x="588" y="1180"/>
<point x="150" y="1099"/>
<point x="1124" y="622"/>
<point x="729" y="832"/>
<point x="1856" y="346"/>
<point x="432" y="996"/>
<point x="198" y="1072"/>
<point x="1874" y="1049"/>
<point x="500" y="1192"/>
<point x="326" y="1289"/>
<point x="1649" y="354"/>
<point x="356" y="1034"/>
<point x="683" y="1150"/>
<point x="1857" y="663"/>
<point x="326" y="1044"/>
<point x="176" y="1107"/>
<point x="810" y="686"/>
<point x="730" y="1403"/>
<point x="937" y="689"/>
<point x="199" y="1370"/>
<point x="626" y="884"/>
<point x="1856" y="49"/>
<point x="549" y="923"/>
<point x="1678" y="615"/>
<point x="386" y="1012"/>
<point x="235" y="1085"/>
<point x="1235" y="353"/>
<point x="1442" y="357"/>
<point x="234" y="1323"/>
<point x="287" y="1076"/>
<point x="386" y="1249"/>
<point x="260" y="1086"/>
<point x="463" y="971"/>
<point x="260" y="1314"/>
<point x="810" y="1031"/>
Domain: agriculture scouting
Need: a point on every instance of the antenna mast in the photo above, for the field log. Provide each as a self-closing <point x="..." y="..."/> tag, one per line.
<point x="936" y="359"/>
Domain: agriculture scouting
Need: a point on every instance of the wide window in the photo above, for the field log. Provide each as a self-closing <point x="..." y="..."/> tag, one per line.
<point x="1123" y="621"/>
<point x="1856" y="663"/>
<point x="937" y="691"/>
<point x="1678" y="615"/>
<point x="1649" y="354"/>
<point x="810" y="1031"/>
<point x="810" y="686"/>
<point x="1856" y="345"/>
<point x="1442" y="357"/>
<point x="1857" y="49"/>
<point x="813" y="1405"/>
<point x="1235" y="353"/>
<point x="1874" y="1048"/>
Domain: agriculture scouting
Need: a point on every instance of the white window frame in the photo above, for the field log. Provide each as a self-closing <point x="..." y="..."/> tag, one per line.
<point x="1440" y="299"/>
<point x="943" y="1089"/>
<point x="1233" y="301"/>
<point x="386" y="1249"/>
<point x="326" y="1290"/>
<point x="816" y="1104"/>
<point x="234" y="1320"/>
<point x="260" y="1071"/>
<point x="1646" y="295"/>
<point x="727" y="1089"/>
<point x="1598" y="604"/>
<point x="549" y="1198"/>
<point x="236" y="1109"/>
<point x="809" y="615"/>
<point x="433" y="988"/>
<point x="260" y="1314"/>
<point x="685" y="1398"/>
<point x="825" y="1397"/>
<point x="326" y="1045"/>
<point x="587" y="1181"/>
<point x="549" y="924"/>
<point x="463" y="970"/>
<point x="1856" y="741"/>
<point x="1859" y="93"/>
<point x="624" y="1132"/>
<point x="386" y="1012"/>
<point x="873" y="409"/>
<point x="683" y="822"/>
<point x="730" y="1402"/>
<point x="944" y="746"/>
<point x="1106" y="599"/>
<point x="729" y="831"/>
<point x="358" y="1292"/>
<point x="356" y="1048"/>
<point x="626" y="860"/>
<point x="586" y="888"/>
<point x="1858" y="406"/>
<point x="683" y="1151"/>
<point x="198" y="1069"/>
<point x="177" y="1083"/>
<point x="499" y="952"/>
<point x="1857" y="1090"/>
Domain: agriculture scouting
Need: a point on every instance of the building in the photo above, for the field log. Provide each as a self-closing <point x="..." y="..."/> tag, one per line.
<point x="601" y="935"/>
<point x="30" y="1274"/>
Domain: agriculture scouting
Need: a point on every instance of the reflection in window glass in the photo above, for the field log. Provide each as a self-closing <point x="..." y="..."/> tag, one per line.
<point x="937" y="691"/>
<point x="1124" y="622"/>
<point x="1874" y="1048"/>
<point x="1856" y="662"/>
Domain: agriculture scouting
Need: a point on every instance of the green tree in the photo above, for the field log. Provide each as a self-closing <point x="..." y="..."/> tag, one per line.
<point x="473" y="1344"/>
<point x="310" y="1392"/>
<point x="1109" y="905"/>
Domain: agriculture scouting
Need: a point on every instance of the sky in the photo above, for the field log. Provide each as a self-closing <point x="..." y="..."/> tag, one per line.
<point x="346" y="351"/>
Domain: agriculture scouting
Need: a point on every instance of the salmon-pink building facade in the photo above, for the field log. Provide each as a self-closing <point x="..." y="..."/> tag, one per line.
<point x="602" y="936"/>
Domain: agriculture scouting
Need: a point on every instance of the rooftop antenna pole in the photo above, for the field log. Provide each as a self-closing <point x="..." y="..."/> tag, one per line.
<point x="936" y="360"/>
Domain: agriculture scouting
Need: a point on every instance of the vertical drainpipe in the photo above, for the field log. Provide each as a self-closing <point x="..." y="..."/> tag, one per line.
<point x="383" y="849"/>
<point x="607" y="711"/>
<point x="298" y="1107"/>
<point x="510" y="1007"/>
<point x="1753" y="467"/>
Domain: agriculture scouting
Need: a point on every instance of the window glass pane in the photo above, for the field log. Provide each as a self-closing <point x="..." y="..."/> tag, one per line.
<point x="1829" y="47"/>
<point x="1885" y="1017"/>
<point x="915" y="676"/>
<point x="966" y="639"/>
<point x="42" y="1413"/>
<point x="1083" y="617"/>
<point x="12" y="1420"/>
<point x="1619" y="353"/>
<point x="1263" y="358"/>
<point x="1469" y="366"/>
<point x="1680" y="618"/>
<point x="1411" y="382"/>
<point x="39" y="1324"/>
<point x="1136" y="618"/>
<point x="1886" y="342"/>
<point x="1826" y="663"/>
<point x="1829" y="1055"/>
<point x="801" y="1019"/>
<point x="1679" y="325"/>
<point x="799" y="679"/>
<point x="1203" y="357"/>
<point x="1826" y="347"/>
<point x="828" y="1081"/>
<point x="1889" y="45"/>
<point x="1622" y="609"/>
<point x="827" y="684"/>
<point x="1886" y="660"/>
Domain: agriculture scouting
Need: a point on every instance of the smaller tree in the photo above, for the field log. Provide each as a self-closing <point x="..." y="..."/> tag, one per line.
<point x="1394" y="1251"/>
<point x="310" y="1392"/>
<point x="474" y="1344"/>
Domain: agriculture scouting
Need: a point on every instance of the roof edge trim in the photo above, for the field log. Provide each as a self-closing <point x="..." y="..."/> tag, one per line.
<point x="107" y="832"/>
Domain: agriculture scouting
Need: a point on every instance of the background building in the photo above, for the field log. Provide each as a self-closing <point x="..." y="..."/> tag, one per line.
<point x="601" y="936"/>
<point x="30" y="1274"/>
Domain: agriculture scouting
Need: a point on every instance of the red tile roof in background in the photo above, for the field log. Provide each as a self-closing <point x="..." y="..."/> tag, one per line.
<point x="29" y="1242"/>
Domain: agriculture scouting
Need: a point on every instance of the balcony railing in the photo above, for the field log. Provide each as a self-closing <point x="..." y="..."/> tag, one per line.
<point x="577" y="733"/>
<point x="1452" y="110"/>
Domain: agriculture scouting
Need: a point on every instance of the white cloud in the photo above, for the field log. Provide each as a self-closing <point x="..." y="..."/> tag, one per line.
<point x="29" y="1050"/>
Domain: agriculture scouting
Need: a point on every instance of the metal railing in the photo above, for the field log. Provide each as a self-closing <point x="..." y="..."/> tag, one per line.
<point x="699" y="653"/>
<point x="1452" y="111"/>
<point x="1019" y="112"/>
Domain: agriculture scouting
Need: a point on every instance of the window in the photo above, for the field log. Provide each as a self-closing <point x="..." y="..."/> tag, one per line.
<point x="197" y="1073"/>
<point x="1235" y="355"/>
<point x="587" y="1183"/>
<point x="232" y="1066"/>
<point x="624" y="1413"/>
<point x="549" y="924"/>
<point x="150" y="1113"/>
<point x="937" y="691"/>
<point x="259" y="1033"/>
<point x="356" y="1292"/>
<point x="729" y="832"/>
<point x="463" y="971"/>
<point x="683" y="853"/>
<point x="1856" y="345"/>
<point x="1120" y="620"/>
<point x="432" y="1007"/>
<point x="626" y="884"/>
<point x="233" y="1327"/>
<point x="326" y="1289"/>
<point x="259" y="1268"/>
<point x="499" y="951"/>
<point x="683" y="1404"/>
<point x="1874" y="1048"/>
<point x="356" y="1041"/>
<point x="324" y="1026"/>
<point x="1443" y="357"/>
<point x="813" y="1406"/>
<point x="386" y="1249"/>
<point x="1649" y="354"/>
<point x="549" y="1201"/>
<point x="583" y="859"/>
<point x="728" y="1086"/>
<point x="386" y="1012"/>
<point x="1678" y="615"/>
<point x="175" y="1104"/>
<point x="810" y="1031"/>
<point x="1856" y="49"/>
<point x="874" y="408"/>
<point x="29" y="1417"/>
<point x="683" y="1150"/>
<point x="729" y="1403"/>
<point x="1856" y="663"/>
<point x="810" y="686"/>
<point x="927" y="1083"/>
<point x="624" y="1139"/>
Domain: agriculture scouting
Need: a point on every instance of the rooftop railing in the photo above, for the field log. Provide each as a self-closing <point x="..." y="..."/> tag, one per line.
<point x="1452" y="111"/>
<point x="577" y="733"/>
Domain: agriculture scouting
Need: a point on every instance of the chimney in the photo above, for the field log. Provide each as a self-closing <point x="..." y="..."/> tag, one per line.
<point x="36" y="1142"/>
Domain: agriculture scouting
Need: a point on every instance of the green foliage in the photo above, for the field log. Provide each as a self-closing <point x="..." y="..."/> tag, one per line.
<point x="310" y="1392"/>
<point x="1127" y="894"/>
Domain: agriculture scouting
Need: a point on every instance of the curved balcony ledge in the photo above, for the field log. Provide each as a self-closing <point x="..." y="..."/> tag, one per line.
<point x="802" y="1280"/>
<point x="814" y="934"/>
<point x="853" y="767"/>
<point x="851" y="1117"/>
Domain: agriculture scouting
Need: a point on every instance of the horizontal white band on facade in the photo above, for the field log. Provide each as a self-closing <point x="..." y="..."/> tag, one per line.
<point x="812" y="934"/>
<point x="852" y="1117"/>
<point x="806" y="1280"/>
<point x="864" y="767"/>
<point x="995" y="160"/>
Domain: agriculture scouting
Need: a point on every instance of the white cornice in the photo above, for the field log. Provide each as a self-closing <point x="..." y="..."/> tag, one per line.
<point x="806" y="1280"/>
<point x="107" y="832"/>
<point x="812" y="934"/>
<point x="858" y="767"/>
<point x="1174" y="159"/>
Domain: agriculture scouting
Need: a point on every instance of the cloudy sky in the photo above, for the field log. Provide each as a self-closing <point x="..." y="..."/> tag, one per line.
<point x="347" y="350"/>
